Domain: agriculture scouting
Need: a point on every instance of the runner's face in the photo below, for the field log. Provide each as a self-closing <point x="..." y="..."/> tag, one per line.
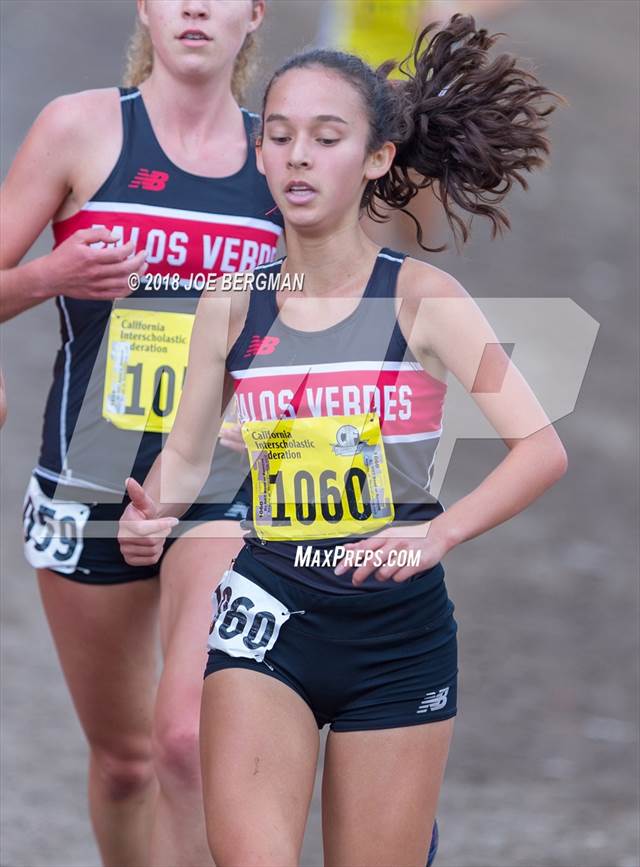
<point x="199" y="37"/>
<point x="314" y="151"/>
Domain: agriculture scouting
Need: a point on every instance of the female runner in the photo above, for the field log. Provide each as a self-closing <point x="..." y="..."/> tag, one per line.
<point x="341" y="392"/>
<point x="159" y="177"/>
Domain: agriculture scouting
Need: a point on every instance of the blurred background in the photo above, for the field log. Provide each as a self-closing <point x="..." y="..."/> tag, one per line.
<point x="544" y="764"/>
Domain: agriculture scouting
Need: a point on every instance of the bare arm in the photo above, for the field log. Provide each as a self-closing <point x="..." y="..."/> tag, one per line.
<point x="452" y="327"/>
<point x="183" y="466"/>
<point x="42" y="177"/>
<point x="180" y="471"/>
<point x="448" y="324"/>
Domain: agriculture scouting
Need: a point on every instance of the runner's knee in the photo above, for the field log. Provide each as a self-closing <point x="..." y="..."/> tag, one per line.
<point x="122" y="775"/>
<point x="176" y="753"/>
<point x="259" y="851"/>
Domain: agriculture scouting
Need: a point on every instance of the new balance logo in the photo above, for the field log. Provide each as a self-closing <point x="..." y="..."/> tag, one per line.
<point x="434" y="700"/>
<point x="148" y="180"/>
<point x="261" y="345"/>
<point x="237" y="512"/>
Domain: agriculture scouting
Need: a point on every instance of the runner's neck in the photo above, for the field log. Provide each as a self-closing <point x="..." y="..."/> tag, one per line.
<point x="333" y="266"/>
<point x="189" y="109"/>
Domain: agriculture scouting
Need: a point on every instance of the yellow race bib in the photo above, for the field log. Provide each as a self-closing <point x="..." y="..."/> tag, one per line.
<point x="318" y="478"/>
<point x="147" y="358"/>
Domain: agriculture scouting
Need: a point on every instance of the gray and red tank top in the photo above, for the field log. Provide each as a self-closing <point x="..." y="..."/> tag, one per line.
<point x="360" y="365"/>
<point x="118" y="374"/>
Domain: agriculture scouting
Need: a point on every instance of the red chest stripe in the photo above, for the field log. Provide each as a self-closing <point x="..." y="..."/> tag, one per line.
<point x="408" y="401"/>
<point x="180" y="242"/>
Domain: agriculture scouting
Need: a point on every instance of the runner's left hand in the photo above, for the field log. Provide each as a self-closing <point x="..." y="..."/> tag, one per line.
<point x="429" y="545"/>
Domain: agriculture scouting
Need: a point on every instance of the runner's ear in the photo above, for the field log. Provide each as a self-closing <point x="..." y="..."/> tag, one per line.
<point x="380" y="161"/>
<point x="259" y="162"/>
<point x="142" y="12"/>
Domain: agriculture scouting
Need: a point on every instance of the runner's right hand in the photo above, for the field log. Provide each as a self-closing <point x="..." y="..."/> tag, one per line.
<point x="141" y="532"/>
<point x="231" y="436"/>
<point x="77" y="270"/>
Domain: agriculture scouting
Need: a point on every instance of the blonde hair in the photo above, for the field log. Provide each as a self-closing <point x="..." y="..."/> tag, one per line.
<point x="139" y="61"/>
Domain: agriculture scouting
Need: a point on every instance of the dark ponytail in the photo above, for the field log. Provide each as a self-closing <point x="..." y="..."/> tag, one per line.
<point x="463" y="123"/>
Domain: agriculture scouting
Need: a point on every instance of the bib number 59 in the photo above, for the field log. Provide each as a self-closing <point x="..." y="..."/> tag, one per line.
<point x="53" y="530"/>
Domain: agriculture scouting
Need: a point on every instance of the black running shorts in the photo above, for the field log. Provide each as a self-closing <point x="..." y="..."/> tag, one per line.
<point x="360" y="661"/>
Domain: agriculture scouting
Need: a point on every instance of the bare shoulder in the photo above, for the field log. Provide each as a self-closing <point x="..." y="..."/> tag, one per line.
<point x="418" y="281"/>
<point x="83" y="116"/>
<point x="87" y="129"/>
<point x="432" y="307"/>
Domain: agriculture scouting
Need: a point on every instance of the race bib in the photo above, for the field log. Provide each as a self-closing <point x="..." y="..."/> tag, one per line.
<point x="52" y="530"/>
<point x="147" y="356"/>
<point x="318" y="478"/>
<point x="246" y="619"/>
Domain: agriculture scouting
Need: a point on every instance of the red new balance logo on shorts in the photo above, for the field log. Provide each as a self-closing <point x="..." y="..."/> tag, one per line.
<point x="261" y="345"/>
<point x="148" y="180"/>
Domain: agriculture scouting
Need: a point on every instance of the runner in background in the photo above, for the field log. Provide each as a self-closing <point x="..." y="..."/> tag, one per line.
<point x="382" y="30"/>
<point x="155" y="180"/>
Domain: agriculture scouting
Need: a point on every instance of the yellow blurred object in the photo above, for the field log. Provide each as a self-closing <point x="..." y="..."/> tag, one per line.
<point x="377" y="30"/>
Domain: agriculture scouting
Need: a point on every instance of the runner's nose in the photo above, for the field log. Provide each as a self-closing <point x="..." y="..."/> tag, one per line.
<point x="195" y="9"/>
<point x="298" y="157"/>
<point x="296" y="164"/>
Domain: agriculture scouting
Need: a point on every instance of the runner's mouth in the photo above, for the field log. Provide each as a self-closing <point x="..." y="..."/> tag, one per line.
<point x="299" y="192"/>
<point x="194" y="36"/>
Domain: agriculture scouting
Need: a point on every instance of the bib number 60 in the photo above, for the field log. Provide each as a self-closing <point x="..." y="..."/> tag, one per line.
<point x="256" y="628"/>
<point x="247" y="619"/>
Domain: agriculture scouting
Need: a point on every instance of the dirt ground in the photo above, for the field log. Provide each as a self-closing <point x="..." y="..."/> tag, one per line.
<point x="543" y="769"/>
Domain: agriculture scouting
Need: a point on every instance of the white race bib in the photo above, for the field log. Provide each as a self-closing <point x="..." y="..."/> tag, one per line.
<point x="246" y="619"/>
<point x="52" y="530"/>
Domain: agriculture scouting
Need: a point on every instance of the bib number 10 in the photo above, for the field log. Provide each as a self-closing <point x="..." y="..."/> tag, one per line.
<point x="163" y="389"/>
<point x="147" y="357"/>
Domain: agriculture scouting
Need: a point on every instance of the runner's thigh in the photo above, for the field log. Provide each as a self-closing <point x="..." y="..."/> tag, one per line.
<point x="106" y="638"/>
<point x="380" y="792"/>
<point x="190" y="572"/>
<point x="259" y="744"/>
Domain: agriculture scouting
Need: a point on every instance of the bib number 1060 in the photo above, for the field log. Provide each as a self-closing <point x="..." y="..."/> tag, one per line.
<point x="326" y="496"/>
